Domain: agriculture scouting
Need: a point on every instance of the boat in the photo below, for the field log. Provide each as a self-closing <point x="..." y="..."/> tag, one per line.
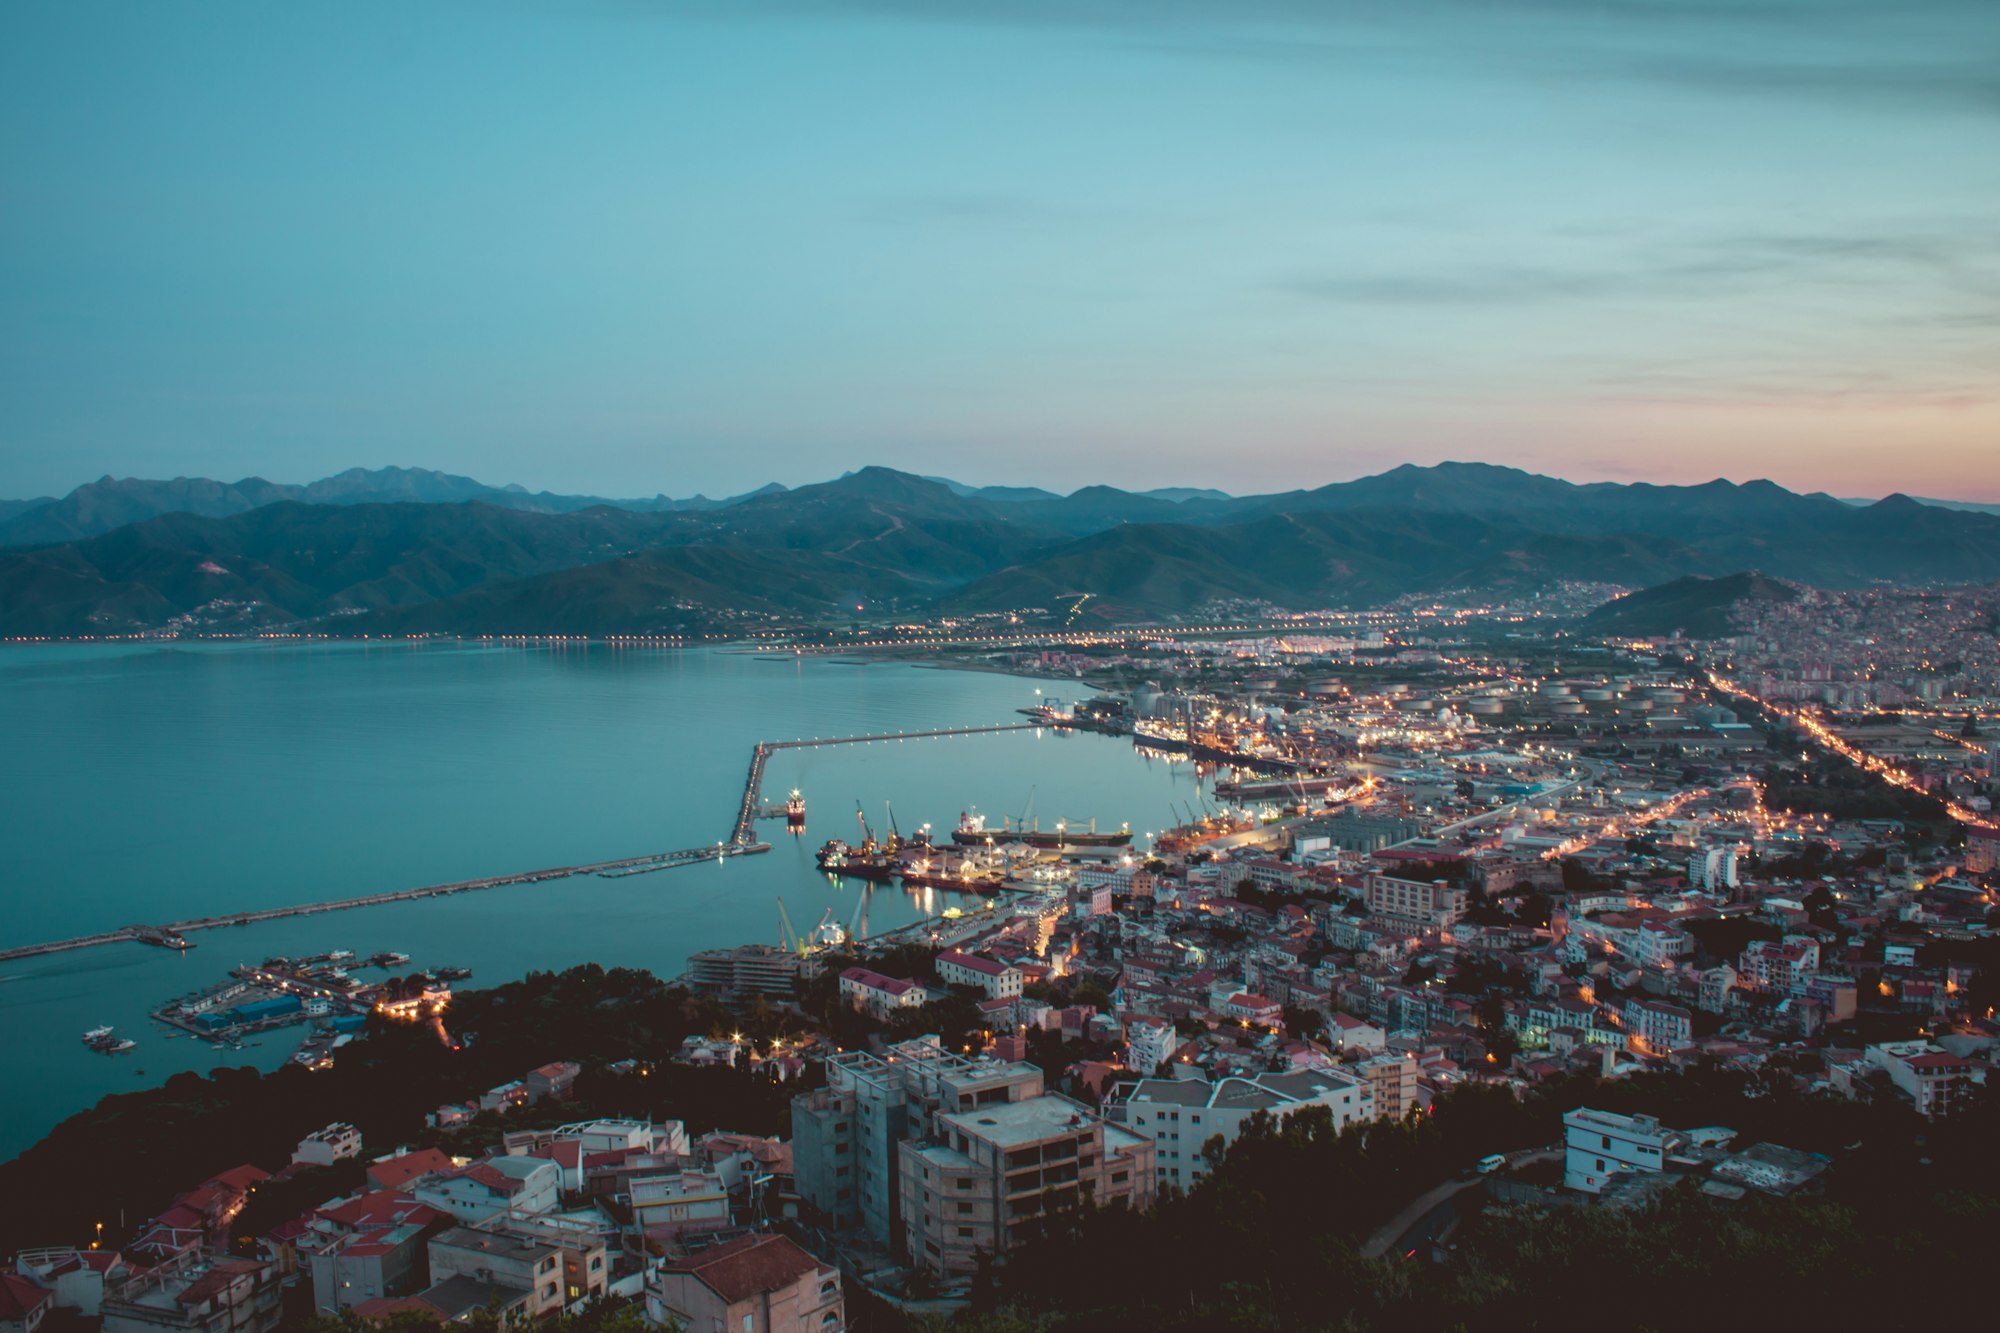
<point x="119" y="1047"/>
<point x="387" y="958"/>
<point x="97" y="1037"/>
<point x="972" y="831"/>
<point x="795" y="809"/>
<point x="451" y="973"/>
<point x="868" y="861"/>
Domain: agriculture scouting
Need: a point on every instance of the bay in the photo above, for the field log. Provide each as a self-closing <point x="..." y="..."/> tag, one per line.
<point x="149" y="783"/>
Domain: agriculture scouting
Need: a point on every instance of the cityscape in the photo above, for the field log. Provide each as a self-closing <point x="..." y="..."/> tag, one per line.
<point x="1013" y="666"/>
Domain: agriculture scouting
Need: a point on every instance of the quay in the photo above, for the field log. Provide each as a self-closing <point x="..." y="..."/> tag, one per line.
<point x="742" y="841"/>
<point x="656" y="861"/>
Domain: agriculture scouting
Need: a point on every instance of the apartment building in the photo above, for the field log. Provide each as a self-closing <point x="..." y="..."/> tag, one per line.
<point x="1425" y="905"/>
<point x="845" y="1135"/>
<point x="1392" y="1081"/>
<point x="984" y="1177"/>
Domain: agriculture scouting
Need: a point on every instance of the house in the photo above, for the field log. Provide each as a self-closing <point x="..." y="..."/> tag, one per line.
<point x="997" y="980"/>
<point x="554" y="1079"/>
<point x="521" y="1265"/>
<point x="392" y="1173"/>
<point x="23" y="1304"/>
<point x="1348" y="1033"/>
<point x="1598" y="1145"/>
<point x="324" y="1147"/>
<point x="1255" y="1010"/>
<point x="194" y="1293"/>
<point x="878" y="996"/>
<point x="755" y="1284"/>
<point x="497" y="1185"/>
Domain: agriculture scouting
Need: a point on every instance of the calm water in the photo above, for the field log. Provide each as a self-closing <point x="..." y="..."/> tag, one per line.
<point x="143" y="784"/>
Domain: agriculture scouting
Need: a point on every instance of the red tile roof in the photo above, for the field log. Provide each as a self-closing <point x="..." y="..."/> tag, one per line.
<point x="20" y="1298"/>
<point x="741" y="1269"/>
<point x="400" y="1171"/>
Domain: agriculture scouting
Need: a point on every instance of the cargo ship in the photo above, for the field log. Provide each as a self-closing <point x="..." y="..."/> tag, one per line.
<point x="795" y="810"/>
<point x="972" y="831"/>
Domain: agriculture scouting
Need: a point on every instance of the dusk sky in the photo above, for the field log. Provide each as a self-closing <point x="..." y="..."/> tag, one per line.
<point x="626" y="248"/>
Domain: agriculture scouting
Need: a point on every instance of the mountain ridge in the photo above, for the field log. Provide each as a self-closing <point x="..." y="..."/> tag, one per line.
<point x="882" y="540"/>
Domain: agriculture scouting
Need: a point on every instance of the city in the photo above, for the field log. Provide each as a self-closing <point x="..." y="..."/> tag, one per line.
<point x="1447" y="852"/>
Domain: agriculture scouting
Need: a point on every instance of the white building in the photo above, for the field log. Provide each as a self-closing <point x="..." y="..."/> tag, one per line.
<point x="1180" y="1115"/>
<point x="1149" y="1042"/>
<point x="324" y="1147"/>
<point x="998" y="980"/>
<point x="878" y="996"/>
<point x="1599" y="1144"/>
<point x="1932" y="1078"/>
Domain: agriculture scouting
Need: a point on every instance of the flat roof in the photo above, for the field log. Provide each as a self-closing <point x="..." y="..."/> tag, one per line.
<point x="1007" y="1124"/>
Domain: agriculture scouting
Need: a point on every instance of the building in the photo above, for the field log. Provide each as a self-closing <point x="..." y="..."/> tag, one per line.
<point x="497" y="1185"/>
<point x="751" y="969"/>
<point x="1348" y="1033"/>
<point x="1778" y="965"/>
<point x="350" y="1268"/>
<point x="878" y="996"/>
<point x="324" y="1147"/>
<point x="1597" y="1145"/>
<point x="554" y="1079"/>
<point x="980" y="1178"/>
<point x="1657" y="1027"/>
<point x="518" y="1263"/>
<point x="393" y="1173"/>
<point x="1149" y="1043"/>
<point x="997" y="980"/>
<point x="196" y="1294"/>
<point x="1392" y="1082"/>
<point x="675" y="1202"/>
<point x="1181" y="1115"/>
<point x="23" y="1304"/>
<point x="1713" y="869"/>
<point x="845" y="1135"/>
<point x="1425" y="905"/>
<point x="755" y="1284"/>
<point x="1982" y="845"/>
<point x="1932" y="1078"/>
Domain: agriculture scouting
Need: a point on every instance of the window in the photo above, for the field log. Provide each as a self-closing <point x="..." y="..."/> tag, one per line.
<point x="1607" y="1140"/>
<point x="749" y="1323"/>
<point x="964" y="1232"/>
<point x="596" y="1262"/>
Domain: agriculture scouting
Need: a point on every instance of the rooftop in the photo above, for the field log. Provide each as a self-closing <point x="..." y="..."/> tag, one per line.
<point x="1012" y="1124"/>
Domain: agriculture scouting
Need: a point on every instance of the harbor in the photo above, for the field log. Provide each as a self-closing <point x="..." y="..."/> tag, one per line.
<point x="742" y="841"/>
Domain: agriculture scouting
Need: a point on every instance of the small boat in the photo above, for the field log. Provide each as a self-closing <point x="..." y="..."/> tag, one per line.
<point x="97" y="1036"/>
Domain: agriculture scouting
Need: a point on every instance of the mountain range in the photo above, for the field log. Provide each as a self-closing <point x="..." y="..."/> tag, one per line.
<point x="402" y="550"/>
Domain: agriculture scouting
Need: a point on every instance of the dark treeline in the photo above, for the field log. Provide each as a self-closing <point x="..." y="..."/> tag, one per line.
<point x="1271" y="1241"/>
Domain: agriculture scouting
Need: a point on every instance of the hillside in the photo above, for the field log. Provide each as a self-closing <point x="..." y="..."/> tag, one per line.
<point x="884" y="540"/>
<point x="1695" y="607"/>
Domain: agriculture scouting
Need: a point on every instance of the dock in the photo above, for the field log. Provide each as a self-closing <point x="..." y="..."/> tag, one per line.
<point x="742" y="841"/>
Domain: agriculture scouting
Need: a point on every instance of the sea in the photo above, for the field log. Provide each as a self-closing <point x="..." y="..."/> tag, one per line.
<point x="153" y="782"/>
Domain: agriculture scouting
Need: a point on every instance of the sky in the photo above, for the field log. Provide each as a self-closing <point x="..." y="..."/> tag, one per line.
<point x="626" y="247"/>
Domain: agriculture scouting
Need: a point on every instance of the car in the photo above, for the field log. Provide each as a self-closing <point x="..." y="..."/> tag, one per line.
<point x="1490" y="1163"/>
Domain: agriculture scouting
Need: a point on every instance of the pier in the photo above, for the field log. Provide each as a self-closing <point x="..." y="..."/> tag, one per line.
<point x="742" y="841"/>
